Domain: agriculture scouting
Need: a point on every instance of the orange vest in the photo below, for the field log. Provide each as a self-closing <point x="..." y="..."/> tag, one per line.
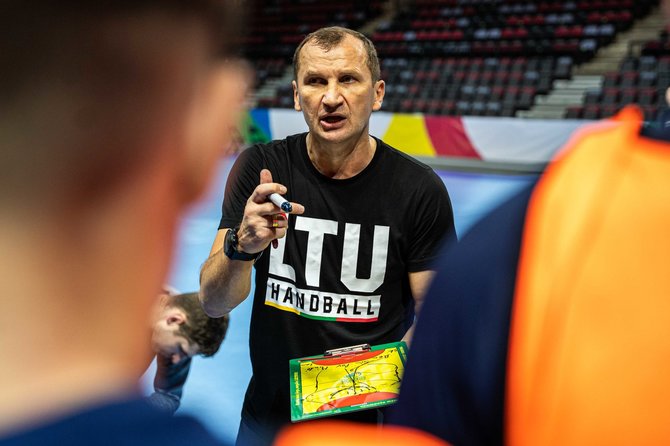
<point x="589" y="359"/>
<point x="348" y="433"/>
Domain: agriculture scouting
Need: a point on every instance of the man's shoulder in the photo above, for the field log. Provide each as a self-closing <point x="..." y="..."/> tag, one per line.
<point x="402" y="157"/>
<point x="127" y="422"/>
<point x="286" y="142"/>
<point x="407" y="170"/>
<point x="278" y="150"/>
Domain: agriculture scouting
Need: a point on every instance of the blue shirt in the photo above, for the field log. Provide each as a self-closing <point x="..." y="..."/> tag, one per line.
<point x="128" y="423"/>
<point x="454" y="382"/>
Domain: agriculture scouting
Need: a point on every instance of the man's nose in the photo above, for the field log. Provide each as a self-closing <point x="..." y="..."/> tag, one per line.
<point x="332" y="96"/>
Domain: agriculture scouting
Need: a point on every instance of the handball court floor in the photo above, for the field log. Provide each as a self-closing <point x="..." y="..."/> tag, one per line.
<point x="215" y="388"/>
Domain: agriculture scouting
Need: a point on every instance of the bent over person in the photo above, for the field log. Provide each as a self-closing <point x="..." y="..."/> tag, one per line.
<point x="350" y="262"/>
<point x="180" y="330"/>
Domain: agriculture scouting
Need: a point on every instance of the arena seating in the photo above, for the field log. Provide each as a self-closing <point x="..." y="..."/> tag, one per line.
<point x="465" y="57"/>
<point x="641" y="80"/>
<point x="487" y="86"/>
<point x="279" y="25"/>
<point x="511" y="28"/>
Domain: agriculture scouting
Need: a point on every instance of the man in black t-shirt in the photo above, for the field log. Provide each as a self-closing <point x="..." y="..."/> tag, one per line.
<point x="351" y="260"/>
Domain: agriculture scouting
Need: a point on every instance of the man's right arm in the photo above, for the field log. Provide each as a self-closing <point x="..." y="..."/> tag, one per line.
<point x="224" y="283"/>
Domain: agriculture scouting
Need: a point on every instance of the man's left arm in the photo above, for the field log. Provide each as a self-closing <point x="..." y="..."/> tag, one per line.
<point x="169" y="383"/>
<point x="418" y="282"/>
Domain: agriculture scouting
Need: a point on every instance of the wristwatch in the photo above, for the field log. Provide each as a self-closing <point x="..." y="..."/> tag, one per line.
<point x="231" y="250"/>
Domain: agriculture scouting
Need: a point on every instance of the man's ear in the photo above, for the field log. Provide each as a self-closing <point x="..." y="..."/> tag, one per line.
<point x="175" y="316"/>
<point x="296" y="97"/>
<point x="213" y="124"/>
<point x="380" y="89"/>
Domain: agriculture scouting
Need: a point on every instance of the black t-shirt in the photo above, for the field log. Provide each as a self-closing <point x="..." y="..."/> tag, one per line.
<point x="340" y="276"/>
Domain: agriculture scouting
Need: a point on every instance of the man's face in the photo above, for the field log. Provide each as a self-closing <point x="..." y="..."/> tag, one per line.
<point x="166" y="339"/>
<point x="335" y="92"/>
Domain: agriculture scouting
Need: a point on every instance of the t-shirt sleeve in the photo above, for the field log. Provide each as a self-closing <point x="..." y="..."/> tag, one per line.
<point x="433" y="223"/>
<point x="242" y="180"/>
<point x="169" y="383"/>
<point x="170" y="377"/>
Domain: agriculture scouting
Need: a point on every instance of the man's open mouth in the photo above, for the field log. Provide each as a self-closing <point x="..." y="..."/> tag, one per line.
<point x="332" y="119"/>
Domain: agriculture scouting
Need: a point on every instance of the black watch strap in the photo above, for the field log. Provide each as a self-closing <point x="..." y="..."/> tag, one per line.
<point x="230" y="247"/>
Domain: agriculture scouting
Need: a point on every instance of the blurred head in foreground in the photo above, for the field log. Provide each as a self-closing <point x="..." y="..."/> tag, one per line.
<point x="112" y="117"/>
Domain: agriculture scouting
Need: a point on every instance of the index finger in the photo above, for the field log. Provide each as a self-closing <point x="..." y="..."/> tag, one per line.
<point x="266" y="176"/>
<point x="266" y="187"/>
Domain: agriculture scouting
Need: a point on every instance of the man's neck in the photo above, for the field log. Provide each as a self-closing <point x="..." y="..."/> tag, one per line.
<point x="341" y="161"/>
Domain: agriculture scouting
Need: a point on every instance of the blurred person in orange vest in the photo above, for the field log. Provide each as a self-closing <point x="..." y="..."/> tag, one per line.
<point x="547" y="323"/>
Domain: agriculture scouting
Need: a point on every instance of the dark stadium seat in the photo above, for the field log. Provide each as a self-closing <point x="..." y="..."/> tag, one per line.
<point x="611" y="79"/>
<point x="573" y="112"/>
<point x="592" y="97"/>
<point x="628" y="96"/>
<point x="647" y="96"/>
<point x="526" y="97"/>
<point x="591" y="111"/>
<point x="628" y="79"/>
<point x="610" y="96"/>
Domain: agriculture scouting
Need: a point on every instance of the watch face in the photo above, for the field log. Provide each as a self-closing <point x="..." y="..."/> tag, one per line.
<point x="230" y="247"/>
<point x="230" y="243"/>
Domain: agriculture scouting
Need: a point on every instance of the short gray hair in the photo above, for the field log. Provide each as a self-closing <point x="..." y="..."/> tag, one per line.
<point x="329" y="37"/>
